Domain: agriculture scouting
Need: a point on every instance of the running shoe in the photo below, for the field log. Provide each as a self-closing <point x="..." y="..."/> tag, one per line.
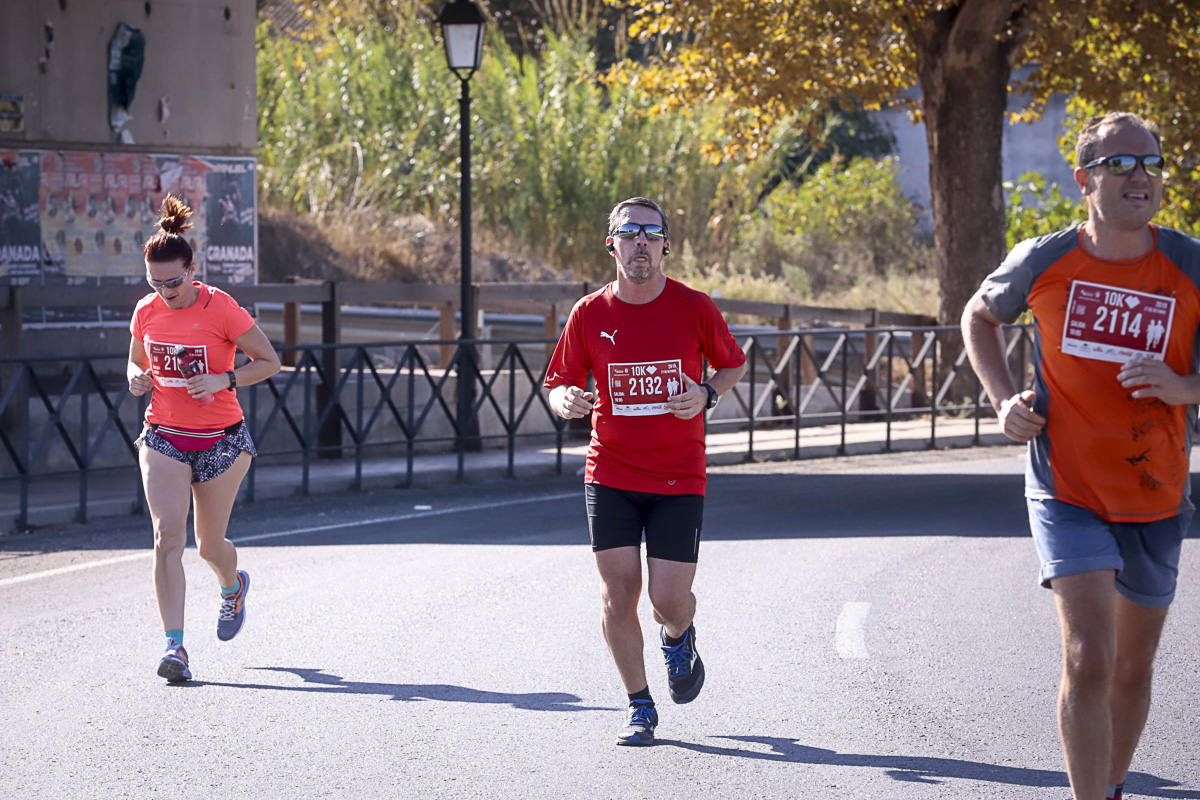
<point x="640" y="724"/>
<point x="233" y="610"/>
<point x="174" y="664"/>
<point x="685" y="670"/>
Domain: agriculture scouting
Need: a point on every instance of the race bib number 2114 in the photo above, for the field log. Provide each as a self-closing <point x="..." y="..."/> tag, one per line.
<point x="1109" y="323"/>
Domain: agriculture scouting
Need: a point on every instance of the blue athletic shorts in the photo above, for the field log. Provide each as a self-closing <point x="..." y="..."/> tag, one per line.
<point x="1145" y="556"/>
<point x="671" y="522"/>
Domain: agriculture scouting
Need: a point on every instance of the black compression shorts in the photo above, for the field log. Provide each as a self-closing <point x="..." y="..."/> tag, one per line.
<point x="671" y="522"/>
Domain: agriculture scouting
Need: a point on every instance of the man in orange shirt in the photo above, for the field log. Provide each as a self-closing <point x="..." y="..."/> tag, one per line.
<point x="1116" y="302"/>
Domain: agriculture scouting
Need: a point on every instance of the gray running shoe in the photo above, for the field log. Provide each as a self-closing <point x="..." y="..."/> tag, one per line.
<point x="233" y="610"/>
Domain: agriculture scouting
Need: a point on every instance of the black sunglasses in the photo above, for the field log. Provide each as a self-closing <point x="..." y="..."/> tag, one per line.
<point x="1124" y="164"/>
<point x="171" y="284"/>
<point x="630" y="230"/>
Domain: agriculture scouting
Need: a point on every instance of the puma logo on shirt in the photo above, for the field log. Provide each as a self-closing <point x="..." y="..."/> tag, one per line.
<point x="610" y="336"/>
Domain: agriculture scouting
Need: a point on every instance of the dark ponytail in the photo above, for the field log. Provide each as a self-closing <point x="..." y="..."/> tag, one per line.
<point x="168" y="244"/>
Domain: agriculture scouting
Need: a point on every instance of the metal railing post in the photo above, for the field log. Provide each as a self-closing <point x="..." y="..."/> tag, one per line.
<point x="329" y="439"/>
<point x="11" y="324"/>
<point x="291" y="328"/>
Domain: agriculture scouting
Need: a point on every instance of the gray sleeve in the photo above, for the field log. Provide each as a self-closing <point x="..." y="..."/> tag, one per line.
<point x="1006" y="290"/>
<point x="1182" y="250"/>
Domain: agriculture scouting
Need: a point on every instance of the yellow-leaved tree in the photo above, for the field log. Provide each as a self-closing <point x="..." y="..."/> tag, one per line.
<point x="774" y="58"/>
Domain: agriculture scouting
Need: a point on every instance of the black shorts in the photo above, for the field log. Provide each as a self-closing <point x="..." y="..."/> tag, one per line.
<point x="617" y="518"/>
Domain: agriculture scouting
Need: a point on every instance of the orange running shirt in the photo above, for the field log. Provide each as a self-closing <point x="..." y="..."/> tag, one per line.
<point x="637" y="352"/>
<point x="207" y="329"/>
<point x="1125" y="459"/>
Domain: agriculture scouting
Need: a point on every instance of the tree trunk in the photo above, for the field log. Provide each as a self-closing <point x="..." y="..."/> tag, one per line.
<point x="964" y="71"/>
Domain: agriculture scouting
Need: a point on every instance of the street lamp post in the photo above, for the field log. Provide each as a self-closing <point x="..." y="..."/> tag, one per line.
<point x="462" y="32"/>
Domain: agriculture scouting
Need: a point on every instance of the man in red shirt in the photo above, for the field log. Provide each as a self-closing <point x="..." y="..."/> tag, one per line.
<point x="1116" y="302"/>
<point x="645" y="338"/>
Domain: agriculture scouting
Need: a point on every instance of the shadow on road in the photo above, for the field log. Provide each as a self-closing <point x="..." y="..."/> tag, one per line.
<point x="334" y="684"/>
<point x="920" y="769"/>
<point x="738" y="507"/>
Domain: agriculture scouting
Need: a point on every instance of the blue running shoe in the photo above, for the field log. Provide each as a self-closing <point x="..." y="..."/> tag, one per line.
<point x="174" y="664"/>
<point x="640" y="724"/>
<point x="685" y="670"/>
<point x="233" y="610"/>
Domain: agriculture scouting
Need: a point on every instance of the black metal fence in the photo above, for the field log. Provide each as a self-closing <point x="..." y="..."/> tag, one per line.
<point x="73" y="418"/>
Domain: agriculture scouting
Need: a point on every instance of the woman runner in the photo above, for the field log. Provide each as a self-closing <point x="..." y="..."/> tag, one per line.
<point x="195" y="448"/>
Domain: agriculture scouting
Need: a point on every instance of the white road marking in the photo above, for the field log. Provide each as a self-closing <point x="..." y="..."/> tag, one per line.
<point x="50" y="573"/>
<point x="848" y="636"/>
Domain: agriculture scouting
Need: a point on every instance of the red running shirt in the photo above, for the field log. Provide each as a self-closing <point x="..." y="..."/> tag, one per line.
<point x="207" y="328"/>
<point x="636" y="354"/>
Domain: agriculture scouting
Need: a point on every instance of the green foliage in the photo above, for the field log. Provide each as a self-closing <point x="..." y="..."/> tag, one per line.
<point x="359" y="117"/>
<point x="1034" y="207"/>
<point x="844" y="225"/>
<point x="359" y="128"/>
<point x="848" y="134"/>
<point x="561" y="149"/>
<point x="744" y="282"/>
<point x="363" y="115"/>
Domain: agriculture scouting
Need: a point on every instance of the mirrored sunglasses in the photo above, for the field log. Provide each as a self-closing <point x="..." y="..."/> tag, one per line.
<point x="171" y="284"/>
<point x="630" y="230"/>
<point x="1124" y="164"/>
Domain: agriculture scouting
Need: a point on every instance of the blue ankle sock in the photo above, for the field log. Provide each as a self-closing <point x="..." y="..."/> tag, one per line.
<point x="1115" y="790"/>
<point x="177" y="635"/>
<point x="237" y="584"/>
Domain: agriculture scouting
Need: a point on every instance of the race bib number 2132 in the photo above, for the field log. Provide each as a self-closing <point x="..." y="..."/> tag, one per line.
<point x="641" y="389"/>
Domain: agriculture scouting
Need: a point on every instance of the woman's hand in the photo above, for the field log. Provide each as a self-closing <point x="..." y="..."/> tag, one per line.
<point x="203" y="385"/>
<point x="141" y="383"/>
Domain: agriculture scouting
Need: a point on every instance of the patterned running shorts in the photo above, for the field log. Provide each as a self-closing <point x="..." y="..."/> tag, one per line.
<point x="205" y="464"/>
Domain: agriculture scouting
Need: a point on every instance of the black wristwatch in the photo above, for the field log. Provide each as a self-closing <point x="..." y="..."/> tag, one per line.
<point x="232" y="380"/>
<point x="713" y="397"/>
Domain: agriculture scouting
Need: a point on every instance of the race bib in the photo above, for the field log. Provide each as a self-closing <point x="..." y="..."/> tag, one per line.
<point x="166" y="366"/>
<point x="1108" y="323"/>
<point x="641" y="388"/>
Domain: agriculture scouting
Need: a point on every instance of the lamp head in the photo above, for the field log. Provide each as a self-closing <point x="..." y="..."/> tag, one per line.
<point x="462" y="32"/>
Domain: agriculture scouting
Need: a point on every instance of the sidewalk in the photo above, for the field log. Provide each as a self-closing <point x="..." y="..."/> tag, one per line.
<point x="56" y="500"/>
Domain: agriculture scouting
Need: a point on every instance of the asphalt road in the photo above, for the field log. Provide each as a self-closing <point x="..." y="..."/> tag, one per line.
<point x="871" y="628"/>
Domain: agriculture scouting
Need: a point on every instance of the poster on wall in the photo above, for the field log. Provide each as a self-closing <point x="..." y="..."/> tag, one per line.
<point x="229" y="252"/>
<point x="20" y="236"/>
<point x="78" y="217"/>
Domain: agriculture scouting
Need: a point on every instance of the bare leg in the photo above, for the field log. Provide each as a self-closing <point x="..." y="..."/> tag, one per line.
<point x="671" y="594"/>
<point x="1138" y="632"/>
<point x="214" y="503"/>
<point x="1087" y="618"/>
<point x="621" y="586"/>
<point x="166" y="483"/>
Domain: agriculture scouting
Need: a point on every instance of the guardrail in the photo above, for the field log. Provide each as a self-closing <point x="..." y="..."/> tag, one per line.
<point x="549" y="300"/>
<point x="73" y="417"/>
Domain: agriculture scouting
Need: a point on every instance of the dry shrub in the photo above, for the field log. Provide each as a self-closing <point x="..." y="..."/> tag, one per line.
<point x="360" y="246"/>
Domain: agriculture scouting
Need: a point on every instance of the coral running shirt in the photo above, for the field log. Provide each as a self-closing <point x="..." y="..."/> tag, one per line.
<point x="638" y="354"/>
<point x="207" y="328"/>
<point x="1125" y="459"/>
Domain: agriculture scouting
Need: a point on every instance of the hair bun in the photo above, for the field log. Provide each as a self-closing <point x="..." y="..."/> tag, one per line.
<point x="173" y="216"/>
